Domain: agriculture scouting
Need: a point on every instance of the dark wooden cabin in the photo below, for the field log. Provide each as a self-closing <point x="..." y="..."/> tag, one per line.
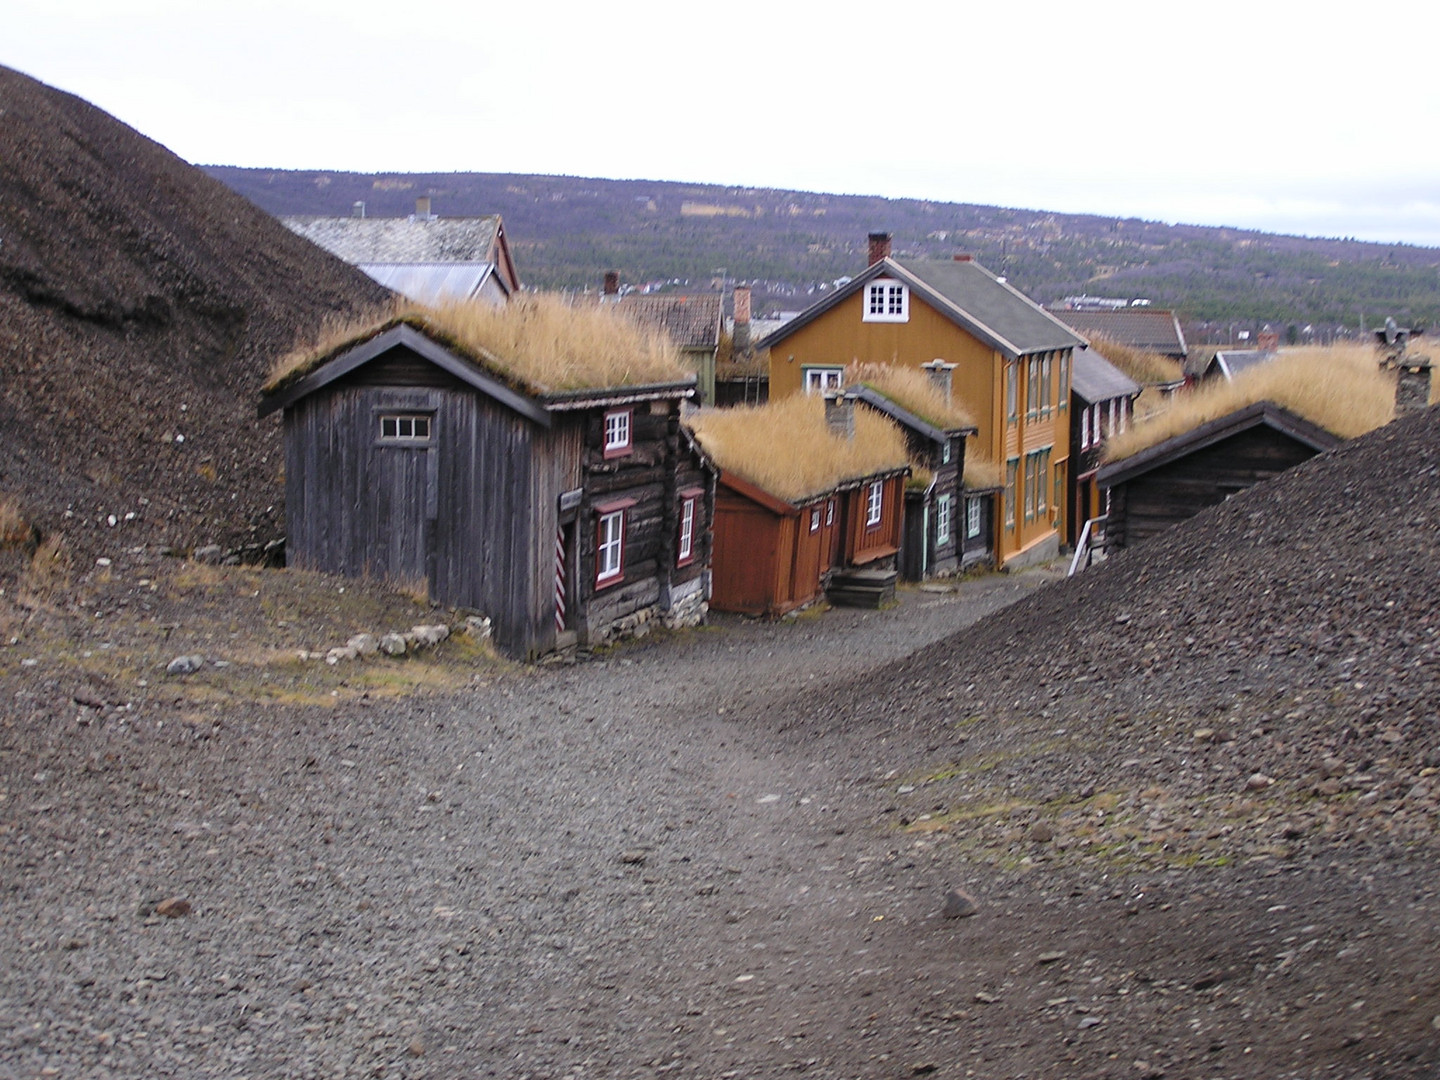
<point x="1174" y="480"/>
<point x="933" y="531"/>
<point x="565" y="517"/>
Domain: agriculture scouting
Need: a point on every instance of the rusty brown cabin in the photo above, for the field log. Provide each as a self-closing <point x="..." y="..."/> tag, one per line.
<point x="772" y="556"/>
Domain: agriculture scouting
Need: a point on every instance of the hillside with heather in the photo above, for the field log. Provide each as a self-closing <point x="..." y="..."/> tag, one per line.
<point x="566" y="231"/>
<point x="140" y="304"/>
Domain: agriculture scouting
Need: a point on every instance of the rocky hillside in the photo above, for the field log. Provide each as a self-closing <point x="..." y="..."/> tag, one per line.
<point x="140" y="303"/>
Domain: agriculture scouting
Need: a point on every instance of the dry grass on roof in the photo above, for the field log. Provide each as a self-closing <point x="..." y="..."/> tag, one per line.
<point x="786" y="448"/>
<point x="1146" y="368"/>
<point x="913" y="391"/>
<point x="1339" y="388"/>
<point x="980" y="471"/>
<point x="537" y="341"/>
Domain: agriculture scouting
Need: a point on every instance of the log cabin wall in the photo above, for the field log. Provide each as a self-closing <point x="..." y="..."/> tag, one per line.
<point x="1153" y="501"/>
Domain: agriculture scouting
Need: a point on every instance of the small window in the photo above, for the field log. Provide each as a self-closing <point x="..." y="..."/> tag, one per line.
<point x="405" y="427"/>
<point x="815" y="519"/>
<point x="945" y="453"/>
<point x="829" y="513"/>
<point x="1047" y="397"/>
<point x="942" y="521"/>
<point x="610" y="547"/>
<point x="685" y="551"/>
<point x="874" y="503"/>
<point x="1012" y="469"/>
<point x="887" y="301"/>
<point x="1064" y="388"/>
<point x="617" y="432"/>
<point x="1012" y="378"/>
<point x="972" y="518"/>
<point x="820" y="379"/>
<point x="1085" y="428"/>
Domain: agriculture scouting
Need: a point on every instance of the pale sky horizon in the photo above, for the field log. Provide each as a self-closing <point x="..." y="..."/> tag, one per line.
<point x="1247" y="117"/>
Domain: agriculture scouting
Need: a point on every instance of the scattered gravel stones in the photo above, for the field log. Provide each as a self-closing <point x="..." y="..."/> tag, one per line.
<point x="184" y="665"/>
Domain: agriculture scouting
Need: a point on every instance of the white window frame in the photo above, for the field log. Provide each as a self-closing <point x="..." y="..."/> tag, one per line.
<point x="619" y="424"/>
<point x="886" y="300"/>
<point x="942" y="521"/>
<point x="874" y="503"/>
<point x="822" y="377"/>
<point x="406" y="427"/>
<point x="972" y="518"/>
<point x="814" y="519"/>
<point x="686" y="548"/>
<point x="610" y="547"/>
<point x="829" y="512"/>
<point x="1085" y="428"/>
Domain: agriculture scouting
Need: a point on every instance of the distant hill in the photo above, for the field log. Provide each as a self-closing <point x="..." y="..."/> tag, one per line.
<point x="566" y="231"/>
<point x="140" y="305"/>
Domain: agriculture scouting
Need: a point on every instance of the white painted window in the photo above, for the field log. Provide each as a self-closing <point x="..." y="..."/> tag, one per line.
<point x="942" y="521"/>
<point x="1085" y="428"/>
<point x="610" y="546"/>
<point x="815" y="519"/>
<point x="405" y="427"/>
<point x="887" y="300"/>
<point x="820" y="379"/>
<point x="617" y="432"/>
<point x="874" y="503"/>
<point x="972" y="518"/>
<point x="829" y="513"/>
<point x="687" y="530"/>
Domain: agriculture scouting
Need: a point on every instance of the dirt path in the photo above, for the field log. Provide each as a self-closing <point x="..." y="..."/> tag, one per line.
<point x="638" y="866"/>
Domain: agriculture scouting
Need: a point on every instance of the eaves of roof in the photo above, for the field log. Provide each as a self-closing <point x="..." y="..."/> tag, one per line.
<point x="1265" y="413"/>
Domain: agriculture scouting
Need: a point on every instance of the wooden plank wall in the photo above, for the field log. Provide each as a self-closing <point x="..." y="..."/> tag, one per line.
<point x="1156" y="500"/>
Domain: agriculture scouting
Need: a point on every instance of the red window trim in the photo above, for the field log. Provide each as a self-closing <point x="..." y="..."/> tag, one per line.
<point x="629" y="444"/>
<point x="602" y="511"/>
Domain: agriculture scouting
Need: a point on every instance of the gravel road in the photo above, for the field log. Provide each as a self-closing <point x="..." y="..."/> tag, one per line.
<point x="600" y="869"/>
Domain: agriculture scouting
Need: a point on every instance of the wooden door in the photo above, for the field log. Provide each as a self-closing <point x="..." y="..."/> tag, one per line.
<point x="399" y="502"/>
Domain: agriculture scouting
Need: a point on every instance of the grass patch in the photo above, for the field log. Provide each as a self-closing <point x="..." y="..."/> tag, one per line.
<point x="1146" y="368"/>
<point x="786" y="448"/>
<point x="1339" y="388"/>
<point x="913" y="391"/>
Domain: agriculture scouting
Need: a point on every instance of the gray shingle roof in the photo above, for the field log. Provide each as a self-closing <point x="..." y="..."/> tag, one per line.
<point x="1152" y="329"/>
<point x="1096" y="379"/>
<point x="995" y="305"/>
<point x="692" y="321"/>
<point x="401" y="240"/>
<point x="977" y="301"/>
<point x="431" y="283"/>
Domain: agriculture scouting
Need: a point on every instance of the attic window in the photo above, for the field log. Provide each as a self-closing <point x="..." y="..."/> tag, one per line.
<point x="405" y="427"/>
<point x="820" y="379"/>
<point x="617" y="432"/>
<point x="887" y="301"/>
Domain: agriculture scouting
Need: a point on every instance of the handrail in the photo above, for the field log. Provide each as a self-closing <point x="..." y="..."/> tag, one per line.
<point x="1084" y="547"/>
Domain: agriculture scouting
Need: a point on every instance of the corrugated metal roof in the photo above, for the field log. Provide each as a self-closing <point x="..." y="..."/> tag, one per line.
<point x="401" y="240"/>
<point x="1096" y="379"/>
<point x="431" y="283"/>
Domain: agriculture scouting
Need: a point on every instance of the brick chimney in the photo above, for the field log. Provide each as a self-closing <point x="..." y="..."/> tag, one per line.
<point x="840" y="413"/>
<point x="358" y="209"/>
<point x="879" y="247"/>
<point x="422" y="209"/>
<point x="612" y="282"/>
<point x="1412" y="384"/>
<point x="941" y="376"/>
<point x="741" y="337"/>
<point x="965" y="257"/>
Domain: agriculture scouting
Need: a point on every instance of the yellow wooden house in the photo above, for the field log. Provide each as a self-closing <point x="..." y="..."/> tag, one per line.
<point x="1012" y="367"/>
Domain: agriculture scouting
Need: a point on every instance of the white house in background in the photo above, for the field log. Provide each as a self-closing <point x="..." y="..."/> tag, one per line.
<point x="424" y="257"/>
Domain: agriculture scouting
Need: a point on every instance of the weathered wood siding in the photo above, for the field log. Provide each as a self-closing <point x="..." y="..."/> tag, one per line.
<point x="865" y="543"/>
<point x="1168" y="494"/>
<point x="977" y="550"/>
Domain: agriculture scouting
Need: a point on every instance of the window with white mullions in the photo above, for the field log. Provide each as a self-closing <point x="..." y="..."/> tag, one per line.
<point x="886" y="301"/>
<point x="405" y="427"/>
<point x="874" y="503"/>
<point x="610" y="546"/>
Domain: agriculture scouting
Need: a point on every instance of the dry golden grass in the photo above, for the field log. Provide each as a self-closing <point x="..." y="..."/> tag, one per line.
<point x="1146" y="368"/>
<point x="15" y="531"/>
<point x="48" y="571"/>
<point x="980" y="471"/>
<point x="786" y="448"/>
<point x="537" y="341"/>
<point x="920" y="477"/>
<point x="1339" y="388"/>
<point x="912" y="390"/>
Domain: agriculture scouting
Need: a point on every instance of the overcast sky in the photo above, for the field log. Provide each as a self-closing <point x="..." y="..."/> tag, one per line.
<point x="1318" y="119"/>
